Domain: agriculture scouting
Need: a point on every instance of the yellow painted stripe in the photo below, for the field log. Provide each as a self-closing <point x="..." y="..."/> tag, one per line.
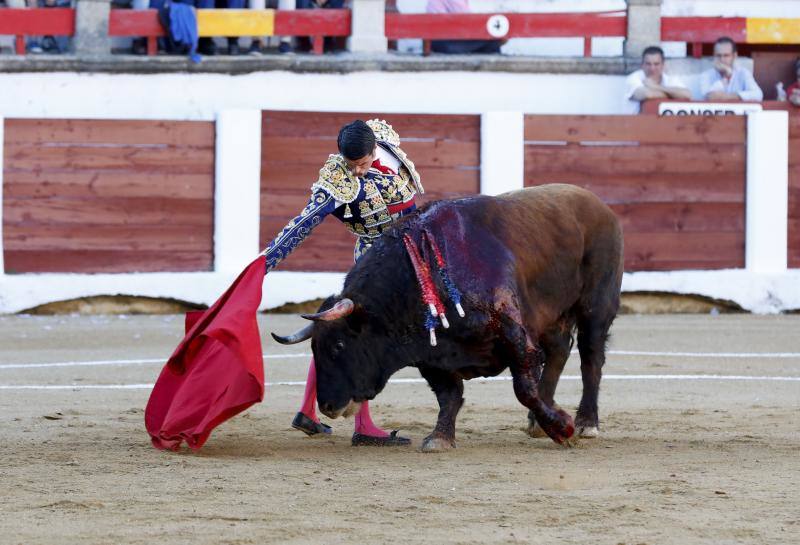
<point x="236" y="22"/>
<point x="773" y="31"/>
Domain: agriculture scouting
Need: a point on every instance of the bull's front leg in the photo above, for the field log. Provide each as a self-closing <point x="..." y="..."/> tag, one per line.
<point x="526" y="371"/>
<point x="449" y="390"/>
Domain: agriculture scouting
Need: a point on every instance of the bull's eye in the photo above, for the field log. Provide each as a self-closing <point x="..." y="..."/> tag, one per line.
<point x="338" y="347"/>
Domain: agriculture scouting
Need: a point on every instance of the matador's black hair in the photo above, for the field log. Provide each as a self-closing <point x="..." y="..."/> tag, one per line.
<point x="356" y="140"/>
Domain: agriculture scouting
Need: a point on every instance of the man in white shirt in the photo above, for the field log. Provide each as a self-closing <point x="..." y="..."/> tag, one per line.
<point x="726" y="81"/>
<point x="650" y="82"/>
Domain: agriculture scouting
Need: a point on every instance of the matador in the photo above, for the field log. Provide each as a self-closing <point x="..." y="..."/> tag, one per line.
<point x="368" y="185"/>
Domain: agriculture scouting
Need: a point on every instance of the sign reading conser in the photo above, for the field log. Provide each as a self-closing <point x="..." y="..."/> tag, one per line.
<point x="707" y="108"/>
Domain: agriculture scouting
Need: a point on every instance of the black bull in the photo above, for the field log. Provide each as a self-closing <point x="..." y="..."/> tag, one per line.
<point x="533" y="266"/>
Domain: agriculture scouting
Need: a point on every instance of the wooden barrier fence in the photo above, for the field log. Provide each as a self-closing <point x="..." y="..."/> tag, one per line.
<point x="295" y="145"/>
<point x="125" y="196"/>
<point x="317" y="24"/>
<point x="34" y="22"/>
<point x="96" y="196"/>
<point x="677" y="184"/>
<point x="650" y="107"/>
<point x="475" y="26"/>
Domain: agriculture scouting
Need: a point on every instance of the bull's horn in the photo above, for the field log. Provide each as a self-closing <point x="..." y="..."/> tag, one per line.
<point x="302" y="335"/>
<point x="340" y="310"/>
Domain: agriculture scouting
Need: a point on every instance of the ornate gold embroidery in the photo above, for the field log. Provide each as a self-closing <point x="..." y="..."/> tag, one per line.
<point x="383" y="131"/>
<point x="335" y="178"/>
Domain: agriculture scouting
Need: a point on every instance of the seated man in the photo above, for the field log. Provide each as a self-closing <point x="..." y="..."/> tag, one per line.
<point x="459" y="46"/>
<point x="285" y="45"/>
<point x="726" y="81"/>
<point x="368" y="186"/>
<point x="651" y="82"/>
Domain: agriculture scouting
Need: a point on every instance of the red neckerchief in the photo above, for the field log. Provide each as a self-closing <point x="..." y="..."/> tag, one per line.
<point x="376" y="164"/>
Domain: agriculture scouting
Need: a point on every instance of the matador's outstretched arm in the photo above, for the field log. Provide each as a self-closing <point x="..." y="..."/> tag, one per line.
<point x="319" y="205"/>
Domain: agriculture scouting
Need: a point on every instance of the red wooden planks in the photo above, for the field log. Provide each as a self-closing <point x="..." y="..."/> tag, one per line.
<point x="295" y="145"/>
<point x="102" y="261"/>
<point x="26" y="21"/>
<point x="643" y="129"/>
<point x="677" y="185"/>
<point x="794" y="189"/>
<point x="78" y="193"/>
<point x="126" y="22"/>
<point x="463" y="128"/>
<point x="327" y="22"/>
<point x="703" y="29"/>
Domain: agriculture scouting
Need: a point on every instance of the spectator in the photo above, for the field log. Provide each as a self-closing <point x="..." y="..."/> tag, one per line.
<point x="459" y="46"/>
<point x="726" y="81"/>
<point x="793" y="91"/>
<point x="285" y="45"/>
<point x="45" y="44"/>
<point x="320" y="4"/>
<point x="233" y="42"/>
<point x="650" y="82"/>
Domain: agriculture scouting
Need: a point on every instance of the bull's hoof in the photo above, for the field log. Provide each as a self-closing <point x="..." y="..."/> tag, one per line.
<point x="588" y="432"/>
<point x="535" y="430"/>
<point x="437" y="444"/>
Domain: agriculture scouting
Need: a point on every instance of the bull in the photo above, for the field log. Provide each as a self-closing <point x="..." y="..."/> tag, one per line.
<point x="534" y="266"/>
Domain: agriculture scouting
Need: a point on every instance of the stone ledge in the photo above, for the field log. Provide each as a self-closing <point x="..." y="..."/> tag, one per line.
<point x="332" y="63"/>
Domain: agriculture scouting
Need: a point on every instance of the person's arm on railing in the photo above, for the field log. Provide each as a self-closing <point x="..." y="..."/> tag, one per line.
<point x="751" y="89"/>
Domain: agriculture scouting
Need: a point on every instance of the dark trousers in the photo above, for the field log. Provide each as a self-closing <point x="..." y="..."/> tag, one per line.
<point x="456" y="47"/>
<point x="309" y="4"/>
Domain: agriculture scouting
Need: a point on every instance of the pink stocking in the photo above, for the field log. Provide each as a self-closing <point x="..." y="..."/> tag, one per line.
<point x="309" y="407"/>
<point x="365" y="425"/>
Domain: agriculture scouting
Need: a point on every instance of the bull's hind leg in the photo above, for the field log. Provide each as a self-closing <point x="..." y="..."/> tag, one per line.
<point x="526" y="371"/>
<point x="592" y="335"/>
<point x="556" y="345"/>
<point x="449" y="390"/>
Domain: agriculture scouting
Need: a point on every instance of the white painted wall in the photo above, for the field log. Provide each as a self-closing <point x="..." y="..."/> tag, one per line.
<point x="502" y="152"/>
<point x="237" y="189"/>
<point x="201" y="96"/>
<point x="767" y="195"/>
<point x="23" y="291"/>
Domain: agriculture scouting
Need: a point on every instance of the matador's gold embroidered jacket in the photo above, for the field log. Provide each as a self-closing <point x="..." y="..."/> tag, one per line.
<point x="367" y="206"/>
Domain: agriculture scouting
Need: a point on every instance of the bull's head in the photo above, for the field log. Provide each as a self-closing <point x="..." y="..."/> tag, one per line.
<point x="347" y="355"/>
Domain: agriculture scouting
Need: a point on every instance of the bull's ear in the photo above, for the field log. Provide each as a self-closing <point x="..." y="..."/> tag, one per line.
<point x="357" y="319"/>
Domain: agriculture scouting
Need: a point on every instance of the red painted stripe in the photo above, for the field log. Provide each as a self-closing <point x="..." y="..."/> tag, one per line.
<point x="23" y="21"/>
<point x="123" y="22"/>
<point x="327" y="22"/>
<point x="470" y="26"/>
<point x="703" y="29"/>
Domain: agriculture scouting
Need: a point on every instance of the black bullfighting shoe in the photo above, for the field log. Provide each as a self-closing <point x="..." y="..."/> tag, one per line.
<point x="309" y="427"/>
<point x="394" y="440"/>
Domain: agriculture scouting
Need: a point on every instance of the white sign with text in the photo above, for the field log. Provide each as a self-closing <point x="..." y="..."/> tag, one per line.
<point x="708" y="108"/>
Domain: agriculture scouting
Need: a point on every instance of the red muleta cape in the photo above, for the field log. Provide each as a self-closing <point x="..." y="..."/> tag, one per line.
<point x="216" y="372"/>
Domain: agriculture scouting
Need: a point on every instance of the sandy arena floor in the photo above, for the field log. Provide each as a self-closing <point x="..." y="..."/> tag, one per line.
<point x="680" y="460"/>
